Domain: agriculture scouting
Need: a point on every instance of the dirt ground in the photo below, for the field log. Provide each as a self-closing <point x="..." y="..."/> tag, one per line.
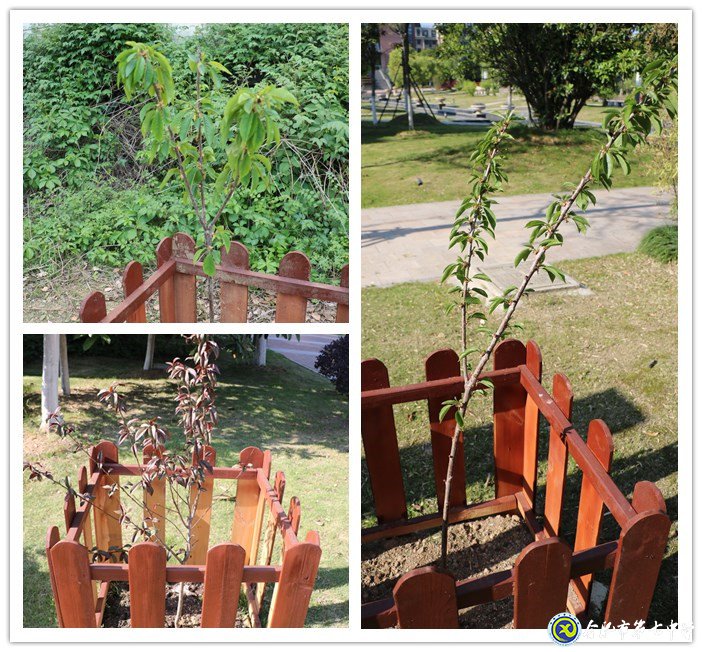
<point x="476" y="548"/>
<point x="57" y="298"/>
<point x="117" y="607"/>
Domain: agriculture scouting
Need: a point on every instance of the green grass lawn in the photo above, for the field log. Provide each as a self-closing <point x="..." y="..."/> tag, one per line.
<point x="294" y="413"/>
<point x="536" y="162"/>
<point x="617" y="346"/>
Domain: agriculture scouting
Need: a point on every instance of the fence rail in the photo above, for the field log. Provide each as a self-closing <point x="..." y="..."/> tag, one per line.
<point x="548" y="576"/>
<point x="80" y="586"/>
<point x="175" y="281"/>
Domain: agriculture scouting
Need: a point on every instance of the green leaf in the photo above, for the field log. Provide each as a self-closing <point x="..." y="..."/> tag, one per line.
<point x="208" y="265"/>
<point x="522" y="256"/>
<point x="553" y="272"/>
<point x="444" y="410"/>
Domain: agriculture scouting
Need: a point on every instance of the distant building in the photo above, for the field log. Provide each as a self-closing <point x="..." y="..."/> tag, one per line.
<point x="422" y="36"/>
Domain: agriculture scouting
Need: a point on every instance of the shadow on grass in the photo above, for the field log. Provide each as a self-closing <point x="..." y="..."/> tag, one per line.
<point x="38" y="604"/>
<point x="280" y="404"/>
<point x="619" y="413"/>
<point x="329" y="614"/>
<point x="371" y="133"/>
<point x="628" y="468"/>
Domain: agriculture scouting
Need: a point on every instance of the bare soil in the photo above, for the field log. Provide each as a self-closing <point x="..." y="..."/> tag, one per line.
<point x="117" y="607"/>
<point x="57" y="297"/>
<point x="475" y="548"/>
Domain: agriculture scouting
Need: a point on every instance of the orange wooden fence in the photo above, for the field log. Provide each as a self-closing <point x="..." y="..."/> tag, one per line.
<point x="176" y="283"/>
<point x="241" y="565"/>
<point x="549" y="576"/>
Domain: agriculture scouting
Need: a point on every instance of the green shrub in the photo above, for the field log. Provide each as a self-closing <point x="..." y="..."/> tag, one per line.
<point x="89" y="191"/>
<point x="469" y="86"/>
<point x="661" y="244"/>
<point x="333" y="362"/>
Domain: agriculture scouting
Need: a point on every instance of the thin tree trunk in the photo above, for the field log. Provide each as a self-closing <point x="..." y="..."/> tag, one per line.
<point x="406" y="78"/>
<point x="49" y="378"/>
<point x="63" y="366"/>
<point x="150" y="346"/>
<point x="261" y="348"/>
<point x="374" y="111"/>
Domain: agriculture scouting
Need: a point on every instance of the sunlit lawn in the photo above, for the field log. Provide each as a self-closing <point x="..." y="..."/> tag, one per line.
<point x="393" y="160"/>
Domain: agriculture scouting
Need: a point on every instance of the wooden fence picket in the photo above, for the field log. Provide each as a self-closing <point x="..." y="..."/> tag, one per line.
<point x="509" y="403"/>
<point x="155" y="501"/>
<point x="87" y="525"/>
<point x="295" y="514"/>
<point x="166" y="293"/>
<point x="381" y="448"/>
<point x="260" y="509"/>
<point x="271" y="529"/>
<point x="147" y="585"/>
<point x="292" y="308"/>
<point x="52" y="538"/>
<point x="531" y="426"/>
<point x="132" y="278"/>
<point x="557" y="459"/>
<point x="444" y="364"/>
<point x="234" y="296"/>
<point x="246" y="506"/>
<point x="425" y="598"/>
<point x="638" y="560"/>
<point x="223" y="574"/>
<point x="342" y="311"/>
<point x="108" y="530"/>
<point x="599" y="441"/>
<point x="203" y="511"/>
<point x="93" y="308"/>
<point x="541" y="577"/>
<point x="184" y="285"/>
<point x="71" y="570"/>
<point x="291" y="597"/>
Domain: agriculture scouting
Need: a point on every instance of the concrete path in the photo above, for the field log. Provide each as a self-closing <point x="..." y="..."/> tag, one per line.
<point x="409" y="243"/>
<point x="304" y="352"/>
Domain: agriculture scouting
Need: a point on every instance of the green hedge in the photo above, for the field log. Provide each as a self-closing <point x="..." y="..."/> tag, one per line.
<point x="89" y="191"/>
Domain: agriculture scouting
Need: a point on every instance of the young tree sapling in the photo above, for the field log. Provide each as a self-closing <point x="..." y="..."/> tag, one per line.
<point x="626" y="128"/>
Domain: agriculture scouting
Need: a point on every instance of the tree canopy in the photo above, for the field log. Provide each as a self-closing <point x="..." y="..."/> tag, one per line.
<point x="557" y="66"/>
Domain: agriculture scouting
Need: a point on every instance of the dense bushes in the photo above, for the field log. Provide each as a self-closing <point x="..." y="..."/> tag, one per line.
<point x="333" y="362"/>
<point x="661" y="244"/>
<point x="89" y="191"/>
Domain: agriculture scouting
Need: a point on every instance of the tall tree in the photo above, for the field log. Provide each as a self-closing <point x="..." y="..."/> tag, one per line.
<point x="457" y="52"/>
<point x="558" y="66"/>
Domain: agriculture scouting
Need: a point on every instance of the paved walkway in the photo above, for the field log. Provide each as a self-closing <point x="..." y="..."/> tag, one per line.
<point x="409" y="243"/>
<point x="304" y="352"/>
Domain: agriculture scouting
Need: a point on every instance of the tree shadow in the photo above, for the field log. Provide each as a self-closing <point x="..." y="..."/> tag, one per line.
<point x="330" y="614"/>
<point x="38" y="600"/>
<point x="620" y="414"/>
<point x="280" y="404"/>
<point x="371" y="133"/>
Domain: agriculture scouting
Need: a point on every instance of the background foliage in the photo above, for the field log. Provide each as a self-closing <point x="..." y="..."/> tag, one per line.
<point x="89" y="190"/>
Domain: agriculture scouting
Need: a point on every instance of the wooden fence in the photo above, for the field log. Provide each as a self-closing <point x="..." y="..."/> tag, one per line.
<point x="176" y="283"/>
<point x="245" y="563"/>
<point x="548" y="576"/>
